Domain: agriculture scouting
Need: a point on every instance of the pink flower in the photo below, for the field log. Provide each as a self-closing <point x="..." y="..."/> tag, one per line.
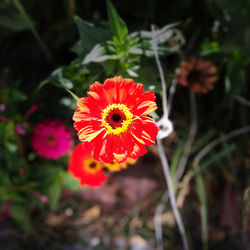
<point x="30" y="111"/>
<point x="51" y="139"/>
<point x="20" y="129"/>
<point x="39" y="196"/>
<point x="2" y="106"/>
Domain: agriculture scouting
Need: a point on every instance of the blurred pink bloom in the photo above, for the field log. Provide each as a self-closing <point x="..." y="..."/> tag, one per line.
<point x="4" y="119"/>
<point x="30" y="111"/>
<point x="5" y="209"/>
<point x="2" y="106"/>
<point x="20" y="129"/>
<point x="39" y="196"/>
<point x="51" y="139"/>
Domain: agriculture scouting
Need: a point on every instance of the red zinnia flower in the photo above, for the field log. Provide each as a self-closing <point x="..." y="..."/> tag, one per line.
<point x="85" y="168"/>
<point x="197" y="74"/>
<point x="112" y="121"/>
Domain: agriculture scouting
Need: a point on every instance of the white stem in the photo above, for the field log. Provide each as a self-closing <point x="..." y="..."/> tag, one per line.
<point x="172" y="90"/>
<point x="242" y="100"/>
<point x="157" y="220"/>
<point x="163" y="82"/>
<point x="163" y="157"/>
<point x="171" y="193"/>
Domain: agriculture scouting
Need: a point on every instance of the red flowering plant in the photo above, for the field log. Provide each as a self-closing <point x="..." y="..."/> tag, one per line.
<point x="113" y="120"/>
<point x="90" y="172"/>
<point x="83" y="167"/>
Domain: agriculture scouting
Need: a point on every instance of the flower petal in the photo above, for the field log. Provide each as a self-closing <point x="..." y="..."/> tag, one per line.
<point x="138" y="151"/>
<point x="78" y="158"/>
<point x="87" y="133"/>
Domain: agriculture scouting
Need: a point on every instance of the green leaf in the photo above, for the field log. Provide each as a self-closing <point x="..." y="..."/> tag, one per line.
<point x="70" y="182"/>
<point x="201" y="193"/>
<point x="17" y="96"/>
<point x="117" y="25"/>
<point x="11" y="19"/>
<point x="21" y="215"/>
<point x="77" y="48"/>
<point x="57" y="79"/>
<point x="45" y="174"/>
<point x="97" y="54"/>
<point x="53" y="193"/>
<point x="148" y="76"/>
<point x="227" y="84"/>
<point x="210" y="47"/>
<point x="31" y="26"/>
<point x="176" y="159"/>
<point x="90" y="35"/>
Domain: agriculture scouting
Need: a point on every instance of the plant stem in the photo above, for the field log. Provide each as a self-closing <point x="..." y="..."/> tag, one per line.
<point x="217" y="141"/>
<point x="163" y="157"/>
<point x="171" y="193"/>
<point x="163" y="82"/>
<point x="172" y="90"/>
<point x="157" y="220"/>
<point x="31" y="25"/>
<point x="242" y="100"/>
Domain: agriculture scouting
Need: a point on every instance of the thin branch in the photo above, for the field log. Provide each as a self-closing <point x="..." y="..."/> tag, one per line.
<point x="157" y="220"/>
<point x="163" y="82"/>
<point x="31" y="26"/>
<point x="163" y="157"/>
<point x="242" y="100"/>
<point x="217" y="141"/>
<point x="192" y="40"/>
<point x="171" y="193"/>
<point x="191" y="137"/>
<point x="172" y="90"/>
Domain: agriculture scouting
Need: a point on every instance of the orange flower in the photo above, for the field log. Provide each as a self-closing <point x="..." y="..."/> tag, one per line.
<point x="112" y="121"/>
<point x="85" y="168"/>
<point x="116" y="167"/>
<point x="198" y="74"/>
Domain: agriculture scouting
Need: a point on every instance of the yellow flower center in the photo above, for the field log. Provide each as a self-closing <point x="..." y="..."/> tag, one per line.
<point x="91" y="166"/>
<point x="116" y="118"/>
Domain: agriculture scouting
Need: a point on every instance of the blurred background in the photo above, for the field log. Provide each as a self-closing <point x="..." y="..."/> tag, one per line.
<point x="51" y="50"/>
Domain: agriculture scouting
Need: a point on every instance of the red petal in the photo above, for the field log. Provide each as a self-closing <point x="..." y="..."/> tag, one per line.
<point x="88" y="133"/>
<point x="103" y="149"/>
<point x="144" y="130"/>
<point x="109" y="87"/>
<point x="93" y="180"/>
<point x="134" y="95"/>
<point x="120" y="152"/>
<point x="146" y="104"/>
<point x="82" y="104"/>
<point x="138" y="151"/>
<point x="122" y="90"/>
